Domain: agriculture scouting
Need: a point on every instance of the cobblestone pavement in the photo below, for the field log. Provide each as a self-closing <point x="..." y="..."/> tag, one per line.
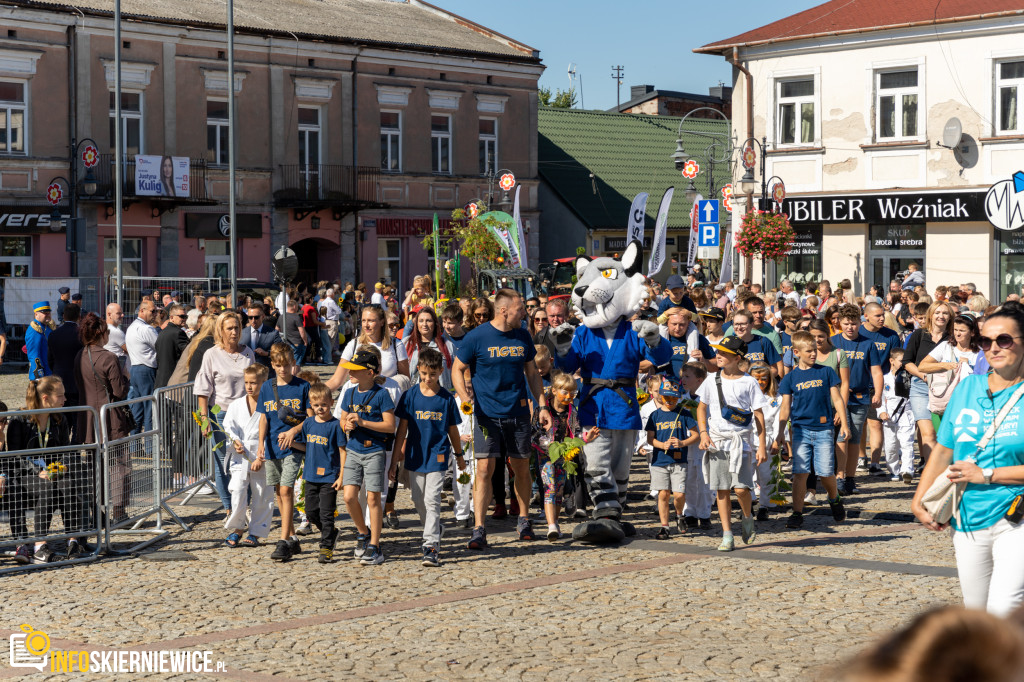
<point x="791" y="606"/>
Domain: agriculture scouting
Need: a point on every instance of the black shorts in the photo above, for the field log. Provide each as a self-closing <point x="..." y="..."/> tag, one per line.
<point x="504" y="437"/>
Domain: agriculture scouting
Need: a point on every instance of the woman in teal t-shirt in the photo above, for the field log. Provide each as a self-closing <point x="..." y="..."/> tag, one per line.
<point x="989" y="547"/>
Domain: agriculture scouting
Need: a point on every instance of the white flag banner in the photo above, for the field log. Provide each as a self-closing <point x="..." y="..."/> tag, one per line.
<point x="726" y="259"/>
<point x="637" y="217"/>
<point x="691" y="249"/>
<point x="660" y="232"/>
<point x="520" y="241"/>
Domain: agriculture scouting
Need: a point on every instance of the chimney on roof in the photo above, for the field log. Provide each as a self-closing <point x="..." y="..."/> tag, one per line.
<point x="639" y="90"/>
<point x="722" y="92"/>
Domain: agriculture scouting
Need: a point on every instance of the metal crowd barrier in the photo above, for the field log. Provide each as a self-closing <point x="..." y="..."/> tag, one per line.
<point x="71" y="487"/>
<point x="187" y="455"/>
<point x="133" y="466"/>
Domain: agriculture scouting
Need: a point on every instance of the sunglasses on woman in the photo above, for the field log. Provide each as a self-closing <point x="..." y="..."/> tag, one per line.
<point x="1004" y="341"/>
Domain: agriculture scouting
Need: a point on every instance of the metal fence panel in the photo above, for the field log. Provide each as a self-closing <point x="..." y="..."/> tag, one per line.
<point x="132" y="483"/>
<point x="186" y="456"/>
<point x="68" y="491"/>
<point x="135" y="287"/>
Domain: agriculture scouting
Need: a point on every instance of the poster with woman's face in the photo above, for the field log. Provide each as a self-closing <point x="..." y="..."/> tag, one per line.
<point x="161" y="176"/>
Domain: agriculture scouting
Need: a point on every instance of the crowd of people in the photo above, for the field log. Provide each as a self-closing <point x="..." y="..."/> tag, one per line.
<point x="774" y="396"/>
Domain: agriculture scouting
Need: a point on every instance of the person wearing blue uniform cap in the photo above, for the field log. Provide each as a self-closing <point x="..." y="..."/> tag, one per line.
<point x="36" y="336"/>
<point x="65" y="296"/>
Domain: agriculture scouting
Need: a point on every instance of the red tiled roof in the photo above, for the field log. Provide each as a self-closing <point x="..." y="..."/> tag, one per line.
<point x="853" y="16"/>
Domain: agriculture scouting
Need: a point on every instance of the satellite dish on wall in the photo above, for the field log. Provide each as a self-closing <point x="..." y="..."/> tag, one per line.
<point x="952" y="133"/>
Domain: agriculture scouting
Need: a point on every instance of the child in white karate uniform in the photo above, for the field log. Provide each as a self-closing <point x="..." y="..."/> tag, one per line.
<point x="248" y="486"/>
<point x="897" y="424"/>
<point x="699" y="498"/>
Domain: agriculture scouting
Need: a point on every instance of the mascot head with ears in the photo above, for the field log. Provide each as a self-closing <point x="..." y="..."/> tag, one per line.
<point x="609" y="289"/>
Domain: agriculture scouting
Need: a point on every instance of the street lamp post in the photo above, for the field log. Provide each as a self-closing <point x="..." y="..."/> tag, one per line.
<point x="748" y="183"/>
<point x="88" y="151"/>
<point x="499" y="175"/>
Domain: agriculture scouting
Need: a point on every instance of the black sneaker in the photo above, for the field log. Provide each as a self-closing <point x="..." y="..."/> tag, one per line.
<point x="75" y="550"/>
<point x="681" y="525"/>
<point x="430" y="557"/>
<point x="762" y="514"/>
<point x="294" y="546"/>
<point x="467" y="522"/>
<point x="361" y="542"/>
<point x="851" y="487"/>
<point x="479" y="538"/>
<point x="43" y="555"/>
<point x="326" y="555"/>
<point x="875" y="469"/>
<point x="691" y="521"/>
<point x="391" y="521"/>
<point x="705" y="525"/>
<point x="662" y="534"/>
<point x="795" y="520"/>
<point x="525" y="529"/>
<point x="282" y="551"/>
<point x="372" y="557"/>
<point x="23" y="555"/>
<point x="908" y="479"/>
<point x="838" y="510"/>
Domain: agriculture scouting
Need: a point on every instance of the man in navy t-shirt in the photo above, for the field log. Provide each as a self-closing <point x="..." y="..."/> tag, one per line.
<point x="500" y="358"/>
<point x="885" y="340"/>
<point x="865" y="390"/>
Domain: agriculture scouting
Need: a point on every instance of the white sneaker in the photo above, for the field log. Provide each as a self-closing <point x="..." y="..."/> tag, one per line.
<point x="811" y="497"/>
<point x="206" y="490"/>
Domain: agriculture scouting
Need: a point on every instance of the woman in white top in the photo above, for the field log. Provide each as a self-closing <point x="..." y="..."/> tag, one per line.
<point x="220" y="382"/>
<point x="425" y="335"/>
<point x="393" y="358"/>
<point x="960" y="347"/>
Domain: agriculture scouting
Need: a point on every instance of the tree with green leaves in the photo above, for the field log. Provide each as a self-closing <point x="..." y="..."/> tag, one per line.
<point x="561" y="99"/>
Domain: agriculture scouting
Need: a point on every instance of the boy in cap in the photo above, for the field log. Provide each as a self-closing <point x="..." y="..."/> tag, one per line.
<point x="676" y="297"/>
<point x="729" y="410"/>
<point x="368" y="419"/>
<point x="670" y="431"/>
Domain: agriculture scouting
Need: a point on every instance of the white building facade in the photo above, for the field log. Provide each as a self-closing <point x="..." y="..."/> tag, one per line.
<point x="854" y="117"/>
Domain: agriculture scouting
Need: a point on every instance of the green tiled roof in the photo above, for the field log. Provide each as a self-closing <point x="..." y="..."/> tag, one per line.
<point x="628" y="154"/>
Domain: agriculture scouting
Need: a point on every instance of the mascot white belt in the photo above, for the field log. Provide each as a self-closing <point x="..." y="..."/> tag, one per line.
<point x="607" y="350"/>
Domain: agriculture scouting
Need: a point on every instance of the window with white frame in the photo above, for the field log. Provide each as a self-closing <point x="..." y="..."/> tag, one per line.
<point x="441" y="143"/>
<point x="309" y="147"/>
<point x="131" y="257"/>
<point x="217" y="131"/>
<point x="218" y="258"/>
<point x="391" y="141"/>
<point x="896" y="104"/>
<point x="131" y="123"/>
<point x="12" y="117"/>
<point x="488" y="146"/>
<point x="796" y="111"/>
<point x="1009" y="90"/>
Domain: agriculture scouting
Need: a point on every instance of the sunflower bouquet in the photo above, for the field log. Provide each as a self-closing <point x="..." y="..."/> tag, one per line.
<point x="567" y="453"/>
<point x="56" y="470"/>
<point x="211" y="424"/>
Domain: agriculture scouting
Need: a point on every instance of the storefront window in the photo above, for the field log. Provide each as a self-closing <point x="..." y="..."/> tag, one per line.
<point x="15" y="257"/>
<point x="893" y="249"/>
<point x="1011" y="262"/>
<point x="803" y="264"/>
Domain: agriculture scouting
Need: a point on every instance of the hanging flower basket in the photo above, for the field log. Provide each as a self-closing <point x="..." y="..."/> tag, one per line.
<point x="764" y="234"/>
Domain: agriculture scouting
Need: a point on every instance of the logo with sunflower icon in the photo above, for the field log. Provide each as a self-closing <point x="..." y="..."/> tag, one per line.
<point x="90" y="156"/>
<point x="690" y="169"/>
<point x="54" y="193"/>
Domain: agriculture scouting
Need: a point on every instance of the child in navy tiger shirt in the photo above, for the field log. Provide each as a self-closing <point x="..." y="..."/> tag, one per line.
<point x="321" y="471"/>
<point x="671" y="429"/>
<point x="427" y="431"/>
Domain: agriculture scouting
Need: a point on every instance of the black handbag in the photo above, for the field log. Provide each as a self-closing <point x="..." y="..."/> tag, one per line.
<point x="126" y="413"/>
<point x="285" y="413"/>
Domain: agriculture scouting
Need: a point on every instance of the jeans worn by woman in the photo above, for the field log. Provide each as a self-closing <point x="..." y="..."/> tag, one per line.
<point x="221" y="477"/>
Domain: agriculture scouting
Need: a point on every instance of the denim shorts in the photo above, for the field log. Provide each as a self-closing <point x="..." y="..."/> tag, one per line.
<point x="856" y="415"/>
<point x="812" y="444"/>
<point x="919" y="399"/>
<point x="504" y="437"/>
<point x="283" y="472"/>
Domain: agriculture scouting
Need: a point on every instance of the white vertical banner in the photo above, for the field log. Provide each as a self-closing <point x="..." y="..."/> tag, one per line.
<point x="660" y="232"/>
<point x="726" y="258"/>
<point x="637" y="217"/>
<point x="520" y="241"/>
<point x="691" y="249"/>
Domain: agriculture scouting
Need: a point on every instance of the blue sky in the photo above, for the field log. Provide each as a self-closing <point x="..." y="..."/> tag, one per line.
<point x="652" y="39"/>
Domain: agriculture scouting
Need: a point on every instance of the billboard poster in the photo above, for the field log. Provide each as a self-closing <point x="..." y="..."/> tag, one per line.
<point x="161" y="176"/>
